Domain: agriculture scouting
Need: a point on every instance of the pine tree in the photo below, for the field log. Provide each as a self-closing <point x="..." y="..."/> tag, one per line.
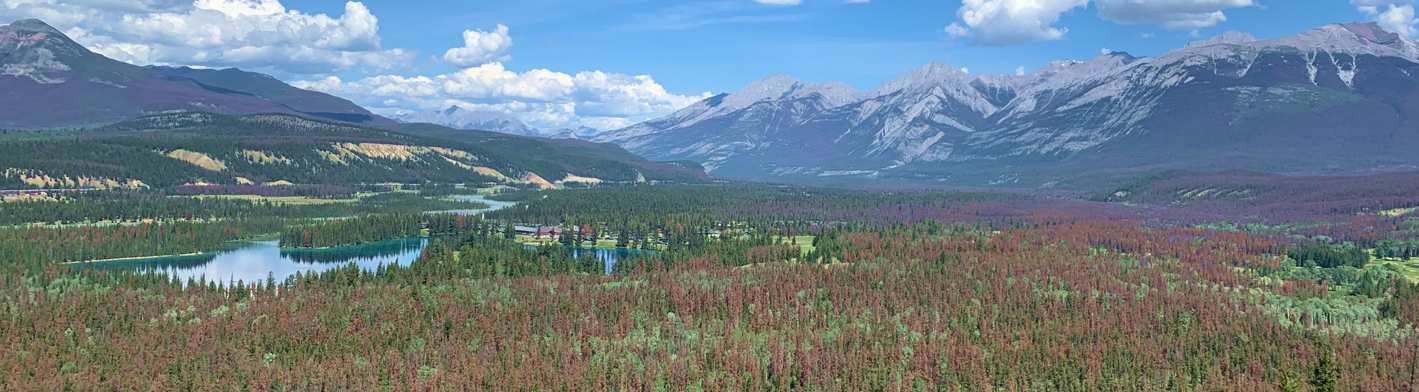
<point x="1326" y="373"/>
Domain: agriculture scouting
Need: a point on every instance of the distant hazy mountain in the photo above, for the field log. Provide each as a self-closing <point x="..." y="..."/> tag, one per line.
<point x="579" y="133"/>
<point x="47" y="81"/>
<point x="459" y="118"/>
<point x="1342" y="97"/>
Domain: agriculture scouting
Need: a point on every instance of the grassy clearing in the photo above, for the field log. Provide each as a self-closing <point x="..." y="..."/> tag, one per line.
<point x="805" y="242"/>
<point x="1397" y="211"/>
<point x="1410" y="267"/>
<point x="10" y="199"/>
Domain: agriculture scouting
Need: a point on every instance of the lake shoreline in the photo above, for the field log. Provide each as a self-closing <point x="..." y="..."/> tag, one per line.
<point x="262" y="237"/>
<point x="592" y="247"/>
<point x="131" y="258"/>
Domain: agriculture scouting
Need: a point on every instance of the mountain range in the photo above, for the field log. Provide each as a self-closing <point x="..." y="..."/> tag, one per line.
<point x="49" y="81"/>
<point x="458" y="117"/>
<point x="1338" y="98"/>
<point x="160" y="127"/>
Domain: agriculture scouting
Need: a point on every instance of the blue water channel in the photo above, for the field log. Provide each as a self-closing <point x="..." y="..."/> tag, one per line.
<point x="251" y="261"/>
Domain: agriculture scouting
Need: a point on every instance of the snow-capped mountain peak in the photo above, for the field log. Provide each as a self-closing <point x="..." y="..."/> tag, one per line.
<point x="463" y="118"/>
<point x="1227" y="38"/>
<point x="785" y="87"/>
<point x="1349" y="38"/>
<point x="932" y="74"/>
<point x="1315" y="84"/>
<point x="579" y="133"/>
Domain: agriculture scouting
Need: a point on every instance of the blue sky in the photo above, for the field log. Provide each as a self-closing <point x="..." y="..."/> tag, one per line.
<point x="723" y="45"/>
<point x="609" y="63"/>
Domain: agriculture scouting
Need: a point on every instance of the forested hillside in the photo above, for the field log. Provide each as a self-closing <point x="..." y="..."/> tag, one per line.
<point x="172" y="150"/>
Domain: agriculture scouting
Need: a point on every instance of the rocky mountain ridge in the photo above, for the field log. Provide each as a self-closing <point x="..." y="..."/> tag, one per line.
<point x="1232" y="101"/>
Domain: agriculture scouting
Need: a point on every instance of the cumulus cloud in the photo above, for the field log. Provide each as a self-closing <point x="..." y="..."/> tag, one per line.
<point x="1011" y="22"/>
<point x="481" y="47"/>
<point x="1173" y="14"/>
<point x="260" y="34"/>
<point x="1396" y="16"/>
<point x="540" y="97"/>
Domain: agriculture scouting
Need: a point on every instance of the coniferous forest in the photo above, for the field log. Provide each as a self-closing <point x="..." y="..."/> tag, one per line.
<point x="241" y="195"/>
<point x="738" y="287"/>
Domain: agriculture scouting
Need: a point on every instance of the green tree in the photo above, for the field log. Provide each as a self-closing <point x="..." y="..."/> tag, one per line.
<point x="1326" y="373"/>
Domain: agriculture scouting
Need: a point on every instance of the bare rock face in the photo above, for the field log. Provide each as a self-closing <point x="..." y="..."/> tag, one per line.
<point x="1337" y="98"/>
<point x="27" y="49"/>
<point x="457" y="117"/>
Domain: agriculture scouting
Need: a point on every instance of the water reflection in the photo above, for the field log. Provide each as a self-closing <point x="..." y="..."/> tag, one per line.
<point x="254" y="260"/>
<point x="344" y="254"/>
<point x="608" y="256"/>
<point x="250" y="261"/>
<point x="493" y="205"/>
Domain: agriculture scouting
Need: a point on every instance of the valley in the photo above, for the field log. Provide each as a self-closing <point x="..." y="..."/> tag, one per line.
<point x="1235" y="214"/>
<point x="1272" y="272"/>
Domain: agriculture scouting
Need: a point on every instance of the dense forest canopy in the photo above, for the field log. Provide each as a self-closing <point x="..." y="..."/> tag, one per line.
<point x="742" y="287"/>
<point x="171" y="150"/>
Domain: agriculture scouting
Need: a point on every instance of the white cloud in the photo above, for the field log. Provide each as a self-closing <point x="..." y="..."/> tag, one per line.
<point x="1020" y="71"/>
<point x="1173" y="14"/>
<point x="481" y="47"/>
<point x="1010" y="22"/>
<point x="1105" y="50"/>
<point x="259" y="34"/>
<point x="1400" y="19"/>
<point x="779" y="2"/>
<point x="1376" y="3"/>
<point x="956" y="30"/>
<point x="540" y="97"/>
<point x="1398" y="16"/>
<point x="264" y="35"/>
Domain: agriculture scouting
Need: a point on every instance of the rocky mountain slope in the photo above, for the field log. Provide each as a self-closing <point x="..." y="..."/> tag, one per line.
<point x="1337" y="98"/>
<point x="49" y="81"/>
<point x="457" y="117"/>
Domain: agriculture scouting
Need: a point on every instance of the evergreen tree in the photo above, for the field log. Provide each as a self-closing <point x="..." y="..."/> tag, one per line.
<point x="1326" y="373"/>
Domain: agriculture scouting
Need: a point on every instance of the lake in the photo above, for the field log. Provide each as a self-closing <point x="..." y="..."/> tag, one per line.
<point x="493" y="205"/>
<point x="251" y="261"/>
<point x="607" y="255"/>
